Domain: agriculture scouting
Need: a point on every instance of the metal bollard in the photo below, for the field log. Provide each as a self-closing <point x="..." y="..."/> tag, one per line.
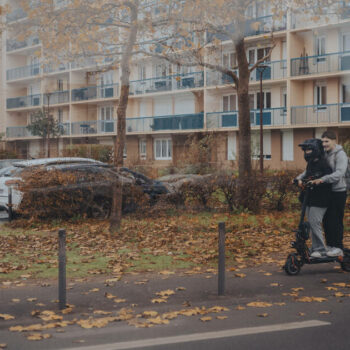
<point x="221" y="260"/>
<point x="9" y="204"/>
<point x="62" y="269"/>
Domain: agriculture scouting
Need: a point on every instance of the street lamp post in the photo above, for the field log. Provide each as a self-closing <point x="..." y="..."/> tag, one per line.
<point x="261" y="69"/>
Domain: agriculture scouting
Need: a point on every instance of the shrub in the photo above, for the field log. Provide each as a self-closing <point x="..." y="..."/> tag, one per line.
<point x="280" y="188"/>
<point x="227" y="183"/>
<point x="103" y="153"/>
<point x="8" y="154"/>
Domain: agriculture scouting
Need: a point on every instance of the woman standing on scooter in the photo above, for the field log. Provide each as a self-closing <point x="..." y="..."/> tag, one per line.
<point x="319" y="196"/>
<point x="333" y="219"/>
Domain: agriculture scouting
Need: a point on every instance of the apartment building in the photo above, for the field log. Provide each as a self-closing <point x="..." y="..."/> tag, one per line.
<point x="306" y="90"/>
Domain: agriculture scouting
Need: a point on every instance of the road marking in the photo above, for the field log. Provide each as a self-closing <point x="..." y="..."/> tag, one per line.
<point x="205" y="336"/>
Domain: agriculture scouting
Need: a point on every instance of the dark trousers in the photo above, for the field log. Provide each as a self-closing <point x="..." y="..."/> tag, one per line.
<point x="333" y="220"/>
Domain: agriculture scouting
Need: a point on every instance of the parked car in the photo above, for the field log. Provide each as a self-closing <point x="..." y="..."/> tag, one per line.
<point x="92" y="185"/>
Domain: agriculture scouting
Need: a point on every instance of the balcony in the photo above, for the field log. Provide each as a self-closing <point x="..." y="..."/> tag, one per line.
<point x="12" y="45"/>
<point x="93" y="127"/>
<point x="17" y="131"/>
<point x="23" y="72"/>
<point x="55" y="68"/>
<point x="254" y="26"/>
<point x="165" y="123"/>
<point x="23" y="102"/>
<point x="16" y="15"/>
<point x="167" y="83"/>
<point x="321" y="114"/>
<point x="275" y="70"/>
<point x="271" y="117"/>
<point x="56" y="97"/>
<point x="331" y="62"/>
<point x="95" y="92"/>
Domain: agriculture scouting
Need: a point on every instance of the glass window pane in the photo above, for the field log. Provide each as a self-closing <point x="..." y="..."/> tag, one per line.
<point x="324" y="95"/>
<point x="169" y="149"/>
<point x="268" y="99"/>
<point x="346" y="93"/>
<point x="158" y="145"/>
<point x="225" y="102"/>
<point x="233" y="103"/>
<point x="163" y="148"/>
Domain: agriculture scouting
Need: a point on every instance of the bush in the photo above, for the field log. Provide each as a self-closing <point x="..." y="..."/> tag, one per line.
<point x="227" y="183"/>
<point x="8" y="154"/>
<point x="103" y="153"/>
<point x="199" y="191"/>
<point x="280" y="189"/>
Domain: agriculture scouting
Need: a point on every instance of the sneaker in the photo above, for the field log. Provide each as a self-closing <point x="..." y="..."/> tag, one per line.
<point x="316" y="254"/>
<point x="334" y="251"/>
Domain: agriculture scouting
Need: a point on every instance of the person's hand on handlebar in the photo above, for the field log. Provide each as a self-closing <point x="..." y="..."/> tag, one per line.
<point x="316" y="182"/>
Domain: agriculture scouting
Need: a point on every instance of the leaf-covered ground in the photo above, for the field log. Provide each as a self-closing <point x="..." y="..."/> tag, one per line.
<point x="168" y="242"/>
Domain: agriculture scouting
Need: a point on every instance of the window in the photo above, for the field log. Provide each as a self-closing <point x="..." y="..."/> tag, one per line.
<point x="229" y="60"/>
<point x="106" y="113"/>
<point x="287" y="145"/>
<point x="255" y="142"/>
<point x="163" y="149"/>
<point x="143" y="148"/>
<point x="346" y="93"/>
<point x="320" y="96"/>
<point x="162" y="70"/>
<point x="266" y="100"/>
<point x="60" y="85"/>
<point x="255" y="54"/>
<point x="60" y="115"/>
<point x="229" y="103"/>
<point x="346" y="42"/>
<point x="320" y="45"/>
<point x="231" y="146"/>
<point x="142" y="72"/>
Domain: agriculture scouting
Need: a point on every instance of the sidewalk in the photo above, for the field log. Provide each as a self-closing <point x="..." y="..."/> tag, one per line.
<point x="179" y="292"/>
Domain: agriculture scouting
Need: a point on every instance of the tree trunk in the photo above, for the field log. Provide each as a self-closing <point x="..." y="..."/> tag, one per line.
<point x="244" y="150"/>
<point x="116" y="212"/>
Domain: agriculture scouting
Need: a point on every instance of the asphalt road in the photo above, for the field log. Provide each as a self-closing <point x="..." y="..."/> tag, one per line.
<point x="288" y="323"/>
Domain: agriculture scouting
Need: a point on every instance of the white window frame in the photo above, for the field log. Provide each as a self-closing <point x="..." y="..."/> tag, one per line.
<point x="320" y="45"/>
<point x="163" y="154"/>
<point x="320" y="93"/>
<point x="343" y="35"/>
<point x="143" y="148"/>
<point x="229" y="59"/>
<point x="229" y="102"/>
<point x="255" y="139"/>
<point x="103" y="115"/>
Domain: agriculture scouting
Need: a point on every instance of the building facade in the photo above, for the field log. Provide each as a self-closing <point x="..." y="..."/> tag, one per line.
<point x="306" y="90"/>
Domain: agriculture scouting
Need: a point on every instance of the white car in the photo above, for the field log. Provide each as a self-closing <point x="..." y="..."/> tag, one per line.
<point x="11" y="174"/>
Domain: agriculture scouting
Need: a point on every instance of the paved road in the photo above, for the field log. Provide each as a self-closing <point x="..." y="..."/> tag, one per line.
<point x="289" y="323"/>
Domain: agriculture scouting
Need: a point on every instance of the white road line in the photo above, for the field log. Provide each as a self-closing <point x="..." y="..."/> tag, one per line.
<point x="204" y="336"/>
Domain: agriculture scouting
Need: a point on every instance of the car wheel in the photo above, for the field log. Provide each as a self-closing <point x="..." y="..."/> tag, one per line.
<point x="100" y="208"/>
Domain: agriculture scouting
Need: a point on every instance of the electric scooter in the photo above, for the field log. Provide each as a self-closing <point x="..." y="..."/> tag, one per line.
<point x="295" y="261"/>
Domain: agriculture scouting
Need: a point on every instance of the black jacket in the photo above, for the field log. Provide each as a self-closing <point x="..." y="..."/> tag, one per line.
<point x="319" y="194"/>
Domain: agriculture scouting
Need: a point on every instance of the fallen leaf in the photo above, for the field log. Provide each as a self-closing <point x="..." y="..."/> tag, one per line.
<point x="259" y="304"/>
<point x="38" y="336"/>
<point x="274" y="284"/>
<point x="240" y="275"/>
<point x="311" y="299"/>
<point x="331" y="288"/>
<point x="100" y="312"/>
<point x="15" y="300"/>
<point x="67" y="310"/>
<point x="110" y="296"/>
<point x="301" y="314"/>
<point x="3" y="346"/>
<point x="165" y="293"/>
<point x="298" y="289"/>
<point x="119" y="300"/>
<point x="32" y="299"/>
<point x="158" y="300"/>
<point x="94" y="290"/>
<point x="263" y="315"/>
<point x="267" y="274"/>
<point x="324" y="312"/>
<point x="221" y="317"/>
<point x="206" y="319"/>
<point x="240" y="307"/>
<point x="6" y="317"/>
<point x="342" y="285"/>
<point x="180" y="288"/>
<point x="339" y="294"/>
<point x="150" y="314"/>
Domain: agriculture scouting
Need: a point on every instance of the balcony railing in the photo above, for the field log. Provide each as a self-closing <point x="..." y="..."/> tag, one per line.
<point x="254" y="26"/>
<point x="12" y="44"/>
<point x="95" y="92"/>
<point x="271" y="117"/>
<point x="52" y="68"/>
<point x="167" y="83"/>
<point x="56" y="97"/>
<point x="274" y="70"/>
<point x="17" y="131"/>
<point x="23" y="101"/>
<point x="331" y="62"/>
<point x="167" y="122"/>
<point x="23" y="72"/>
<point x="321" y="114"/>
<point x="15" y="15"/>
<point x="64" y="129"/>
<point x="92" y="127"/>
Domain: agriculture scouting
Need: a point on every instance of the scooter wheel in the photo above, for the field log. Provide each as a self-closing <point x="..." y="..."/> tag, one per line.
<point x="345" y="266"/>
<point x="292" y="266"/>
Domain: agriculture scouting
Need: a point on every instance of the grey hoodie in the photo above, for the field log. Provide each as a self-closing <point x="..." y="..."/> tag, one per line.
<point x="338" y="161"/>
